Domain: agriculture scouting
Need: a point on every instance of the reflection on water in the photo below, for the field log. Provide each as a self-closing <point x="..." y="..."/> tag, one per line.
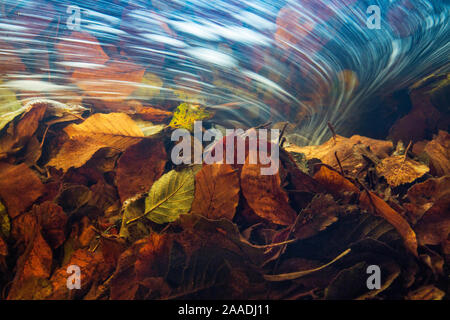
<point x="306" y="61"/>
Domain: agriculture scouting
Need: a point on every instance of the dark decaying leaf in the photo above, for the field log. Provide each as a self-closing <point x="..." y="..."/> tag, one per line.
<point x="139" y="167"/>
<point x="19" y="187"/>
<point x="265" y="195"/>
<point x="216" y="192"/>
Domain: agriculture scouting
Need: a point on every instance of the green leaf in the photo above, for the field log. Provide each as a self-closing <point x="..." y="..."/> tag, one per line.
<point x="187" y="114"/>
<point x="170" y="196"/>
<point x="10" y="107"/>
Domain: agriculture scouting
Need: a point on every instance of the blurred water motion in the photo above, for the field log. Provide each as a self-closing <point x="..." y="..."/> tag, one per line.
<point x="306" y="61"/>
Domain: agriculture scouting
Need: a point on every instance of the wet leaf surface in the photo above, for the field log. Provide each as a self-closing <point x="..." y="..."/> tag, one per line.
<point x="102" y="193"/>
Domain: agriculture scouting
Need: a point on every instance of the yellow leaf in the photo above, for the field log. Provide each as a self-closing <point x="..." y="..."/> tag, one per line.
<point x="186" y="115"/>
<point x="399" y="170"/>
<point x="9" y="106"/>
<point x="113" y="130"/>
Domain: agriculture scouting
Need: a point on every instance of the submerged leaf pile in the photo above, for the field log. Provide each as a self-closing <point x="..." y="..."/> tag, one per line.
<point x="99" y="191"/>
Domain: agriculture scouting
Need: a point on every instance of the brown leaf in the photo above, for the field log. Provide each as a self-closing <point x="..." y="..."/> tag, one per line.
<point x="438" y="150"/>
<point x="400" y="170"/>
<point x="88" y="263"/>
<point x="53" y="223"/>
<point x="139" y="167"/>
<point x="36" y="261"/>
<point x="371" y="202"/>
<point x="3" y="248"/>
<point x="265" y="195"/>
<point x="423" y="196"/>
<point x="19" y="133"/>
<point x="300" y="180"/>
<point x="104" y="196"/>
<point x="348" y="150"/>
<point x="152" y="114"/>
<point x="422" y="119"/>
<point x="153" y="257"/>
<point x="114" y="130"/>
<point x="19" y="187"/>
<point x="334" y="182"/>
<point x="429" y="292"/>
<point x="434" y="227"/>
<point x="216" y="192"/>
<point x="322" y="212"/>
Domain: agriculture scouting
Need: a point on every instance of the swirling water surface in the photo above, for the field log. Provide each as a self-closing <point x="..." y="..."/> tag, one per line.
<point x="309" y="62"/>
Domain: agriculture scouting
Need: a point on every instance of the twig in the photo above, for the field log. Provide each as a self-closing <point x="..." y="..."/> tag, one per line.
<point x="339" y="163"/>
<point x="330" y="126"/>
<point x="264" y="125"/>
<point x="407" y="150"/>
<point x="282" y="133"/>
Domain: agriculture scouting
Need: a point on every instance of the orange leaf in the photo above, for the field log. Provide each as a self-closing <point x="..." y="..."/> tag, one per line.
<point x="18" y="134"/>
<point x="371" y="202"/>
<point x="439" y="152"/>
<point x="19" y="187"/>
<point x="348" y="151"/>
<point x="36" y="261"/>
<point x="265" y="195"/>
<point x="153" y="257"/>
<point x="334" y="182"/>
<point x="139" y="167"/>
<point x="216" y="192"/>
<point x="153" y="114"/>
<point x="53" y="223"/>
<point x="88" y="263"/>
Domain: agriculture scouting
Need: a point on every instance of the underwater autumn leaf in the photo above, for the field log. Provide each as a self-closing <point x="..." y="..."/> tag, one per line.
<point x="36" y="259"/>
<point x="19" y="187"/>
<point x="216" y="192"/>
<point x="438" y="150"/>
<point x="20" y="131"/>
<point x="53" y="223"/>
<point x="153" y="256"/>
<point x="113" y="130"/>
<point x="372" y="203"/>
<point x="113" y="82"/>
<point x="350" y="151"/>
<point x="152" y="114"/>
<point x="423" y="118"/>
<point x="139" y="167"/>
<point x="434" y="227"/>
<point x="422" y="196"/>
<point x="429" y="292"/>
<point x="5" y="224"/>
<point x="265" y="195"/>
<point x="400" y="170"/>
<point x="321" y="213"/>
<point x="334" y="182"/>
<point x="170" y="196"/>
<point x="186" y="114"/>
<point x="11" y="106"/>
<point x="88" y="263"/>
